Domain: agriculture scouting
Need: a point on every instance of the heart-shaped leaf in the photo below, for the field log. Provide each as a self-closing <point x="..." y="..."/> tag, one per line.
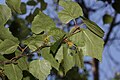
<point x="40" y="69"/>
<point x="41" y="23"/>
<point x="71" y="11"/>
<point x="49" y="57"/>
<point x="8" y="46"/>
<point x="13" y="72"/>
<point x="5" y="14"/>
<point x="14" y="5"/>
<point x="93" y="45"/>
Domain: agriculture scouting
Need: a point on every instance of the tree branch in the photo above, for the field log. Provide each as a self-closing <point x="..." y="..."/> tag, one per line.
<point x="110" y="29"/>
<point x="14" y="59"/>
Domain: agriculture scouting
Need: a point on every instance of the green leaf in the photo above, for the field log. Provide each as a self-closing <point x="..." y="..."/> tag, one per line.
<point x="19" y="29"/>
<point x="22" y="62"/>
<point x="34" y="38"/>
<point x="77" y="40"/>
<point x="31" y="3"/>
<point x="30" y="18"/>
<point x="2" y="59"/>
<point x="54" y="48"/>
<point x="8" y="46"/>
<point x="6" y="34"/>
<point x="41" y="23"/>
<point x="0" y="40"/>
<point x="26" y="78"/>
<point x="59" y="55"/>
<point x="93" y="44"/>
<point x="56" y="33"/>
<point x="36" y="11"/>
<point x="5" y="14"/>
<point x="68" y="0"/>
<point x="93" y="27"/>
<point x="34" y="41"/>
<point x="78" y="58"/>
<point x="43" y="5"/>
<point x="24" y="33"/>
<point x="107" y="19"/>
<point x="68" y="60"/>
<point x="14" y="5"/>
<point x="23" y="8"/>
<point x="40" y="69"/>
<point x="34" y="45"/>
<point x="13" y="72"/>
<point x="49" y="57"/>
<point x="71" y="11"/>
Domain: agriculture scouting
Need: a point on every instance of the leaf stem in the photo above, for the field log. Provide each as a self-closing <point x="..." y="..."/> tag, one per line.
<point x="75" y="22"/>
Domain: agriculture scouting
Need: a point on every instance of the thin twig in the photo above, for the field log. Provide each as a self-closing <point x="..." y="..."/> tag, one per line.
<point x="14" y="59"/>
